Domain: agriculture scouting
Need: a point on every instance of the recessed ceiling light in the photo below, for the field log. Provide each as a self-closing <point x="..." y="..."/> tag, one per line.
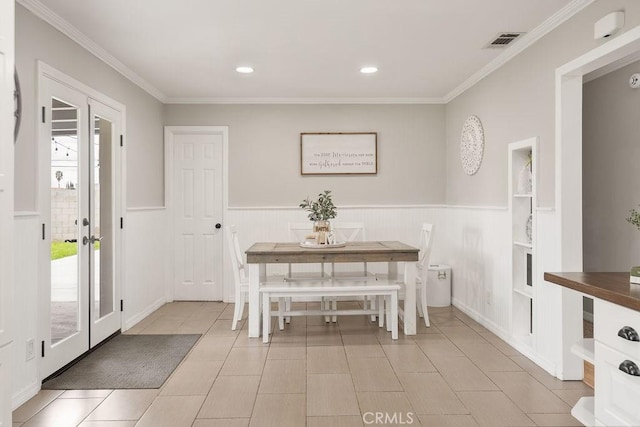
<point x="244" y="70"/>
<point x="368" y="70"/>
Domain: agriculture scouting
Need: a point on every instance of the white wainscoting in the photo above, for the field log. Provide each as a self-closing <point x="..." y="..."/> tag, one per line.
<point x="146" y="263"/>
<point x="478" y="247"/>
<point x="24" y="373"/>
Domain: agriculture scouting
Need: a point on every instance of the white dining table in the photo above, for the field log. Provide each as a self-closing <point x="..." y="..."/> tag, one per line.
<point x="261" y="254"/>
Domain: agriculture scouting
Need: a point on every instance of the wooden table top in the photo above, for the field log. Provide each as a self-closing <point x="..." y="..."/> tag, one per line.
<point x="292" y="252"/>
<point x="612" y="287"/>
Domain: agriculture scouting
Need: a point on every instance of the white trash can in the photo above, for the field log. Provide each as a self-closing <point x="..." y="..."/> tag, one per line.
<point x="439" y="285"/>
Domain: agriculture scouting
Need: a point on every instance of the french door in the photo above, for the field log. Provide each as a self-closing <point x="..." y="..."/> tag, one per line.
<point x="79" y="163"/>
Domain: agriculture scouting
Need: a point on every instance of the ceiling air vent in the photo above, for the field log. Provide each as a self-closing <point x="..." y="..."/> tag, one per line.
<point x="502" y="40"/>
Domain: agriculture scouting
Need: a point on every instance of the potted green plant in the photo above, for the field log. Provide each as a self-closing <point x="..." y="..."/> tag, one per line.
<point x="634" y="219"/>
<point x="320" y="211"/>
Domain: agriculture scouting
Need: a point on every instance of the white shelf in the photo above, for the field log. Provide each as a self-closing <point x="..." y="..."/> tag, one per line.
<point x="584" y="412"/>
<point x="584" y="349"/>
<point x="524" y="292"/>
<point x="523" y="196"/>
<point x="523" y="244"/>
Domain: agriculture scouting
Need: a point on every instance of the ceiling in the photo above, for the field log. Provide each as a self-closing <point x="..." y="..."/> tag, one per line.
<point x="187" y="51"/>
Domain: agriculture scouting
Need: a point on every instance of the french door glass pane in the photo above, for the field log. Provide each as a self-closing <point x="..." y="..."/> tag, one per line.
<point x="102" y="223"/>
<point x="64" y="221"/>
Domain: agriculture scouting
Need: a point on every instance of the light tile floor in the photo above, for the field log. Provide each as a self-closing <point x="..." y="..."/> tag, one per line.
<point x="455" y="373"/>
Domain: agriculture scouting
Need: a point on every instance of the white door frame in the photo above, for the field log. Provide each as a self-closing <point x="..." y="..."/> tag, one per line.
<point x="45" y="72"/>
<point x="7" y="350"/>
<point x="169" y="134"/>
<point x="568" y="185"/>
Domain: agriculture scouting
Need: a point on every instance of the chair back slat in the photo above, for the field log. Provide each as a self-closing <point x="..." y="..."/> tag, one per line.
<point x="426" y="238"/>
<point x="348" y="231"/>
<point x="237" y="259"/>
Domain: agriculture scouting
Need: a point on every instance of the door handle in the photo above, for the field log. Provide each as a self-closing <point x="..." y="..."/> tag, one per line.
<point x="92" y="239"/>
<point x="628" y="367"/>
<point x="628" y="333"/>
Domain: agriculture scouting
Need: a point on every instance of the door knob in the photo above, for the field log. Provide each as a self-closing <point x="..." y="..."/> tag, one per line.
<point x="218" y="225"/>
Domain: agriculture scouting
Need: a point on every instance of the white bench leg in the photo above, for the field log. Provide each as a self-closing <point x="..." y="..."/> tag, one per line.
<point x="380" y="299"/>
<point x="373" y="305"/>
<point x="266" y="317"/>
<point x="394" y="315"/>
<point x="287" y="307"/>
<point x="281" y="306"/>
<point x="387" y="299"/>
<point x="334" y="306"/>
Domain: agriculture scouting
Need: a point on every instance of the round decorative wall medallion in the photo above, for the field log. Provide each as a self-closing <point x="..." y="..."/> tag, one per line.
<point x="471" y="145"/>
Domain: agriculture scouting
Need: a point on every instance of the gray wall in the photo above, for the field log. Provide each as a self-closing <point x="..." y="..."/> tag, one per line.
<point x="36" y="40"/>
<point x="611" y="150"/>
<point x="516" y="102"/>
<point x="264" y="151"/>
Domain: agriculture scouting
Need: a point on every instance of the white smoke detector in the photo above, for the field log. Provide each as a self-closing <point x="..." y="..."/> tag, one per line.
<point x="634" y="81"/>
<point x="608" y="25"/>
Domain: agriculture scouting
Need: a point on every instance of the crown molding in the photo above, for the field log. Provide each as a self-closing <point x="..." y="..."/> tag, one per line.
<point x="47" y="15"/>
<point x="234" y="100"/>
<point x="520" y="45"/>
<point x="50" y="17"/>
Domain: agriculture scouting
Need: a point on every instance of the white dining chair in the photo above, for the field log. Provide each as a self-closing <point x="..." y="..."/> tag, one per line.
<point x="241" y="277"/>
<point x="422" y="270"/>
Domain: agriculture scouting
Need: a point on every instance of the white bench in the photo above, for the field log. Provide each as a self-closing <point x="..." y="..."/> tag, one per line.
<point x="384" y="290"/>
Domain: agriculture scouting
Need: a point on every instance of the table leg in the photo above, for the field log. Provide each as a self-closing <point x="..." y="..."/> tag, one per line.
<point x="409" y="298"/>
<point x="257" y="273"/>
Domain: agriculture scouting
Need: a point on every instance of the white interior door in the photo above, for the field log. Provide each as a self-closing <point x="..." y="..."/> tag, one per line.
<point x="197" y="211"/>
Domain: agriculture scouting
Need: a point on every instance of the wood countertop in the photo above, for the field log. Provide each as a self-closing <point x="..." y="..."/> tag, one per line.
<point x="612" y="287"/>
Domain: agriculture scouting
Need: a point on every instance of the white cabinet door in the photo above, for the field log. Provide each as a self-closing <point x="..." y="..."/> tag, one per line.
<point x="617" y="391"/>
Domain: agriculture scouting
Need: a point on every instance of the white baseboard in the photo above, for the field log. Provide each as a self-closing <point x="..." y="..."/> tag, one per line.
<point x="526" y="351"/>
<point x="130" y="323"/>
<point x="493" y="327"/>
<point x="25" y="394"/>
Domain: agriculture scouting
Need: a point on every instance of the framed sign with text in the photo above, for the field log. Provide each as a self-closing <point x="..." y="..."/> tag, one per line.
<point x="339" y="153"/>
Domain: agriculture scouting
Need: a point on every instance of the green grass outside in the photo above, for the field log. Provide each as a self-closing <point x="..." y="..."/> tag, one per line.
<point x="65" y="249"/>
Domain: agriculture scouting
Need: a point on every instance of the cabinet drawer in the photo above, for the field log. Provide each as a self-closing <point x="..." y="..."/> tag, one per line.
<point x="617" y="393"/>
<point x="611" y="321"/>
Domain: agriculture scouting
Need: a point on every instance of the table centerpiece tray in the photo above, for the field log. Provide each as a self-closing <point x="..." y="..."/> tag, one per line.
<point x="313" y="245"/>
